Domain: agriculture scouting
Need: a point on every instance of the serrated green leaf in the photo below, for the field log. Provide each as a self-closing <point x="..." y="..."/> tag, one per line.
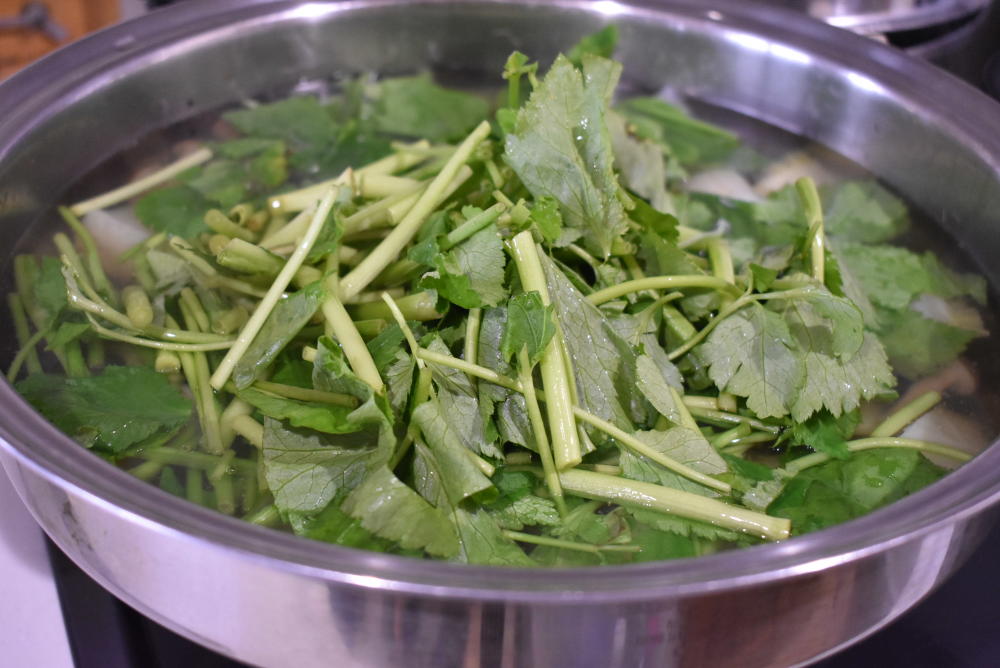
<point x="560" y="148"/>
<point x="417" y="107"/>
<point x="529" y="324"/>
<point x="112" y="410"/>
<point x="282" y="325"/>
<point x="388" y="508"/>
<point x="176" y="210"/>
<point x="680" y="444"/>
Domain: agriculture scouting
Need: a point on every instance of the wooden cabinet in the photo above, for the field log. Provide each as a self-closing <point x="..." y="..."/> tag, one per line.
<point x="20" y="46"/>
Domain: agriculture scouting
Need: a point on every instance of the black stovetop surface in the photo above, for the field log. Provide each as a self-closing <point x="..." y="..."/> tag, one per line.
<point x="958" y="626"/>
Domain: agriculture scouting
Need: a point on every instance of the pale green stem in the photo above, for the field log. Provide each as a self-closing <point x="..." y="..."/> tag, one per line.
<point x="471" y="344"/>
<point x="158" y="345"/>
<point x="674" y="502"/>
<point x="658" y="283"/>
<point x="538" y="429"/>
<point x="555" y="380"/>
<point x="94" y="265"/>
<point x="397" y="315"/>
<point x="860" y="444"/>
<point x="896" y="422"/>
<point x="23" y="352"/>
<point x="140" y="186"/>
<point x="809" y="196"/>
<point x="420" y="306"/>
<point x="250" y="429"/>
<point x="638" y="447"/>
<point x="568" y="544"/>
<point x="387" y="251"/>
<point x="471" y="369"/>
<point x="343" y="329"/>
<point x="729" y="418"/>
<point x="307" y="394"/>
<point x="686" y="419"/>
<point x="273" y="294"/>
<point x="233" y="410"/>
<point x="22" y="331"/>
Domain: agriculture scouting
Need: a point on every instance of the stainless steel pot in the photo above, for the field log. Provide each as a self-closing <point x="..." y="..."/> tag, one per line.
<point x="882" y="16"/>
<point x="276" y="600"/>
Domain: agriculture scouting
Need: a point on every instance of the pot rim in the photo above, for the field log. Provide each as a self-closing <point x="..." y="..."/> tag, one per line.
<point x="74" y="71"/>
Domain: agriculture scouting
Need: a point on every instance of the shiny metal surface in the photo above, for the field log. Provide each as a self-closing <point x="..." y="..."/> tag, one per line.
<point x="881" y="16"/>
<point x="272" y="599"/>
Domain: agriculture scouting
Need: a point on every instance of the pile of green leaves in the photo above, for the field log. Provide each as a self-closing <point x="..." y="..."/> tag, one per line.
<point x="526" y="345"/>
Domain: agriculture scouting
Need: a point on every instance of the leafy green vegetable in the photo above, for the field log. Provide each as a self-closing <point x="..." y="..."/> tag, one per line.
<point x="417" y="107"/>
<point x="560" y="148"/>
<point x="110" y="411"/>
<point x="177" y="210"/>
<point x="529" y="348"/>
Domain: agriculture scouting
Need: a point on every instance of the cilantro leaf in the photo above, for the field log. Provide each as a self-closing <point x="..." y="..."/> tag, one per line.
<point x="112" y="410"/>
<point x="603" y="363"/>
<point x="445" y="462"/>
<point x="300" y="122"/>
<point x="327" y="418"/>
<point x="840" y="490"/>
<point x="691" y="141"/>
<point x="282" y="325"/>
<point x="751" y="354"/>
<point x="471" y="274"/>
<point x="825" y="433"/>
<point x="529" y="323"/>
<point x="560" y="148"/>
<point x="417" y="107"/>
<point x="177" y="210"/>
<point x="680" y="444"/>
<point x="918" y="346"/>
<point x="390" y="509"/>
<point x="333" y="525"/>
<point x="601" y="43"/>
<point x="306" y="469"/>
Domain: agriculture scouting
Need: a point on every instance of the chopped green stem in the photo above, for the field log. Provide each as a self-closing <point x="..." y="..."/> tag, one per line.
<point x="223" y="224"/>
<point x="638" y="447"/>
<point x="860" y="444"/>
<point x="290" y="232"/>
<point x="724" y="438"/>
<point x="584" y="255"/>
<point x="377" y="213"/>
<point x="159" y="345"/>
<point x="307" y="394"/>
<point x="225" y="497"/>
<point x="723" y="313"/>
<point x="723" y="417"/>
<point x="26" y="349"/>
<point x="250" y="429"/>
<point x="23" y="332"/>
<point x="236" y="408"/>
<point x="538" y="431"/>
<point x="94" y="265"/>
<point x="267" y="516"/>
<point x="721" y="259"/>
<point x="146" y="470"/>
<point x="809" y="196"/>
<point x="658" y="283"/>
<point x="674" y="502"/>
<point x="138" y="308"/>
<point x="397" y="315"/>
<point x="197" y="460"/>
<point x="568" y="544"/>
<point x="471" y="344"/>
<point x="199" y="319"/>
<point x="555" y="380"/>
<point x="306" y="197"/>
<point x="270" y="300"/>
<point x="195" y="367"/>
<point x="473" y="370"/>
<point x="343" y="329"/>
<point x="242" y="256"/>
<point x="193" y="486"/>
<point x="420" y="306"/>
<point x="387" y="251"/>
<point x="471" y="226"/>
<point x="896" y="422"/>
<point x="140" y="186"/>
<point x="686" y="419"/>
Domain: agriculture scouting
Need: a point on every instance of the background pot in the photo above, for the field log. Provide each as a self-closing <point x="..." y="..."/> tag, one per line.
<point x="273" y="599"/>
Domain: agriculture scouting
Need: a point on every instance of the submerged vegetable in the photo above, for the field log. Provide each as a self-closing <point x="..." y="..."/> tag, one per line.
<point x="529" y="347"/>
